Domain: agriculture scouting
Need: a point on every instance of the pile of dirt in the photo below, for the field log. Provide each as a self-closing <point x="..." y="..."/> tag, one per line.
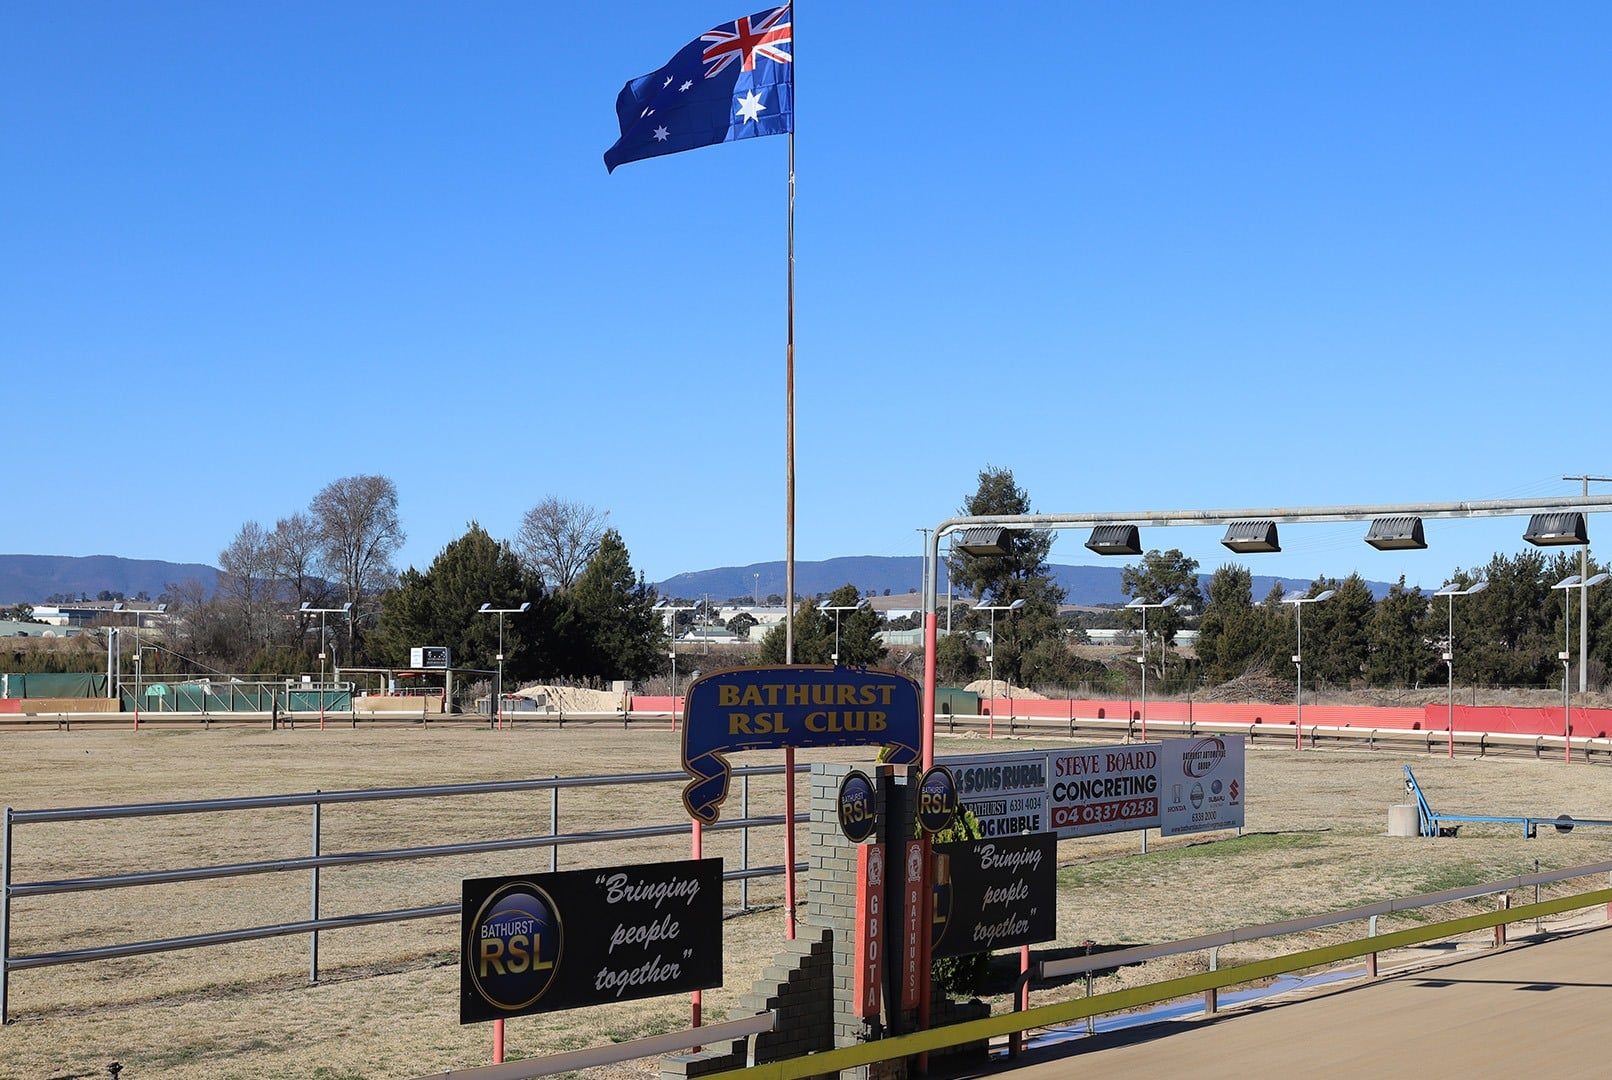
<point x="1259" y="687"/>
<point x="1002" y="689"/>
<point x="572" y="699"/>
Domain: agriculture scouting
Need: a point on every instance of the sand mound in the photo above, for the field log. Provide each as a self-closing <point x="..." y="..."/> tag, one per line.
<point x="1002" y="689"/>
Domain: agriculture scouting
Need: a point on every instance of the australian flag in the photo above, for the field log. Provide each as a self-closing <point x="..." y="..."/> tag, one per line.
<point x="735" y="81"/>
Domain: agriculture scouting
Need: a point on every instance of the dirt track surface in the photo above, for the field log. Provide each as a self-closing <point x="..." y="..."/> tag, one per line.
<point x="387" y="1002"/>
<point x="1531" y="1010"/>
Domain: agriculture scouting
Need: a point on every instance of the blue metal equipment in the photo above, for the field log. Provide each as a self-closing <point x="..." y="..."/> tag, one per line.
<point x="1433" y="823"/>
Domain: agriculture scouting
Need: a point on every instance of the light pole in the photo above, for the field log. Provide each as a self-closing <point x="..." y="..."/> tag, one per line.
<point x="1137" y="604"/>
<point x="1567" y="585"/>
<point x="836" y="609"/>
<point x="923" y="565"/>
<point x="671" y="610"/>
<point x="1583" y="609"/>
<point x="309" y="609"/>
<point x="498" y="700"/>
<point x="1449" y="652"/>
<point x="990" y="656"/>
<point x="1298" y="600"/>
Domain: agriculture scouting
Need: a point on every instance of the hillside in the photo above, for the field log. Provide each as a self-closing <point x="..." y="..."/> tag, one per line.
<point x="31" y="578"/>
<point x="1084" y="585"/>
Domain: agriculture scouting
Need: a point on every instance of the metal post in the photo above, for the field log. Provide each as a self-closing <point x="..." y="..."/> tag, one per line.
<point x="1144" y="678"/>
<point x="1298" y="681"/>
<point x="1211" y="996"/>
<point x="499" y="700"/>
<point x="744" y="842"/>
<point x="1539" y="923"/>
<point x="322" y="648"/>
<point x="1371" y="958"/>
<point x="1449" y="660"/>
<point x="5" y="918"/>
<point x="554" y="827"/>
<point x="313" y="901"/>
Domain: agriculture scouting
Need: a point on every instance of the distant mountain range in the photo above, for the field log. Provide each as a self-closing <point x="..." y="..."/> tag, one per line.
<point x="31" y="578"/>
<point x="1085" y="585"/>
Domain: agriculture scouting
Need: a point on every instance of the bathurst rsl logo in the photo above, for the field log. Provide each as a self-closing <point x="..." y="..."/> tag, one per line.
<point x="517" y="940"/>
<point x="857" y="810"/>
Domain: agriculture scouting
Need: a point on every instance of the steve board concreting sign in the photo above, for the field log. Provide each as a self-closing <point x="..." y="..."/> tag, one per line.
<point x="1104" y="789"/>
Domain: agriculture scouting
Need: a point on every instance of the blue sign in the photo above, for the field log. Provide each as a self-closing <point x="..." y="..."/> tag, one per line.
<point x="773" y="708"/>
<point x="858" y="806"/>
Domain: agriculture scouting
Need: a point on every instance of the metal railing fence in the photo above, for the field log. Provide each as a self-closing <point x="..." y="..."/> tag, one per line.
<point x="318" y="860"/>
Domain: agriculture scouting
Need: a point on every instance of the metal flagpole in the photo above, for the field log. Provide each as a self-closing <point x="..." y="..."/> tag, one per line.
<point x="789" y="525"/>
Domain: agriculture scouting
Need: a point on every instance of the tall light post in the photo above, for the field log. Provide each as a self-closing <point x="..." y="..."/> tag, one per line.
<point x="1139" y="605"/>
<point x="1583" y="609"/>
<point x="670" y="610"/>
<point x="1298" y="600"/>
<point x="990" y="655"/>
<point x="836" y="609"/>
<point x="1567" y="585"/>
<point x="309" y="609"/>
<point x="1452" y="592"/>
<point x="498" y="699"/>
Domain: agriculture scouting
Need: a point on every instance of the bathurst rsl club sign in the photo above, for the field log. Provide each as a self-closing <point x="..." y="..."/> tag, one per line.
<point x="540" y="942"/>
<point x="800" y="706"/>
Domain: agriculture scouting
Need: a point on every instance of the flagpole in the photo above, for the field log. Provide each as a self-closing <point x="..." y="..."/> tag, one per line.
<point x="789" y="525"/>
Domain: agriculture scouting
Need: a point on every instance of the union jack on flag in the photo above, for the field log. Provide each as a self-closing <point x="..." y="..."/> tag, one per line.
<point x="743" y="38"/>
<point x="735" y="81"/>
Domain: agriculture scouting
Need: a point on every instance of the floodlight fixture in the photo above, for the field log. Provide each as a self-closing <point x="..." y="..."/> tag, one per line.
<point x="1251" y="537"/>
<point x="984" y="540"/>
<point x="1567" y="582"/>
<point x="1560" y="529"/>
<point x="1396" y="534"/>
<point x="1115" y="540"/>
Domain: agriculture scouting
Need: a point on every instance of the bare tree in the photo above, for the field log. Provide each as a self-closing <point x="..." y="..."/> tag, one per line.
<point x="359" y="532"/>
<point x="557" y="538"/>
<point x="245" y="583"/>
<point x="294" y="550"/>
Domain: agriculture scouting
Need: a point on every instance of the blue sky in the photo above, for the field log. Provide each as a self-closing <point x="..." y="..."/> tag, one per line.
<point x="1148" y="256"/>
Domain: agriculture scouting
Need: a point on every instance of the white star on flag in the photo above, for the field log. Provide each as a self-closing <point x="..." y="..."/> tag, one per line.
<point x="660" y="134"/>
<point x="667" y="83"/>
<point x="686" y="84"/>
<point x="750" y="106"/>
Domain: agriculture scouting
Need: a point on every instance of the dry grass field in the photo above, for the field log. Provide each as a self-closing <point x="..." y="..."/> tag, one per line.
<point x="386" y="1005"/>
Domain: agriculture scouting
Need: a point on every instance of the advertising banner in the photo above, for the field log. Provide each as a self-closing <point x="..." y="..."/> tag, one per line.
<point x="773" y="708"/>
<point x="995" y="894"/>
<point x="869" y="929"/>
<point x="1006" y="792"/>
<point x="1097" y="790"/>
<point x="1202" y="786"/>
<point x="912" y="922"/>
<point x="540" y="942"/>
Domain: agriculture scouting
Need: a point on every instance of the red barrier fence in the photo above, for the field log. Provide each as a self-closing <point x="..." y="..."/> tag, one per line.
<point x="1499" y="719"/>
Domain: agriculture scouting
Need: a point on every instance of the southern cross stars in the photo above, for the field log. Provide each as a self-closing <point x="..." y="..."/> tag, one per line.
<point x="750" y="106"/>
<point x="660" y="134"/>
<point x="686" y="84"/>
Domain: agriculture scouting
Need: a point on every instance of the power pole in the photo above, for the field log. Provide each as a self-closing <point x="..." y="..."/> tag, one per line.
<point x="1584" y="598"/>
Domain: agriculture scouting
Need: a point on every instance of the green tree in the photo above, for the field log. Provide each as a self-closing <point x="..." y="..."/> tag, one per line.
<point x="441" y="606"/>
<point x="1022" y="575"/>
<point x="956" y="660"/>
<point x="1400" y="653"/>
<point x="741" y="624"/>
<point x="1232" y="635"/>
<point x="1157" y="577"/>
<point x="1337" y="639"/>
<point x="814" y="633"/>
<point x="608" y="626"/>
<point x="1509" y="634"/>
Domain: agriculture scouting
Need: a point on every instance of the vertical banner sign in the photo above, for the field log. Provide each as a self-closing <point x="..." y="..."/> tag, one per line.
<point x="1104" y="789"/>
<point x="1007" y="793"/>
<point x="539" y="942"/>
<point x="1202" y="784"/>
<point x="994" y="894"/>
<point x="869" y="936"/>
<point x="912" y="920"/>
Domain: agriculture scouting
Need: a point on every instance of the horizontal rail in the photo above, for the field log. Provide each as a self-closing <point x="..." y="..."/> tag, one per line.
<point x="355" y="858"/>
<point x="1064" y="1012"/>
<point x="593" y="1057"/>
<point x="1079" y="965"/>
<point x="256" y="933"/>
<point x="264" y="802"/>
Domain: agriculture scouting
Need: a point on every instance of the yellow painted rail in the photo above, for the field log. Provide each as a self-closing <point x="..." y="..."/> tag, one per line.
<point x="1121" y="1000"/>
